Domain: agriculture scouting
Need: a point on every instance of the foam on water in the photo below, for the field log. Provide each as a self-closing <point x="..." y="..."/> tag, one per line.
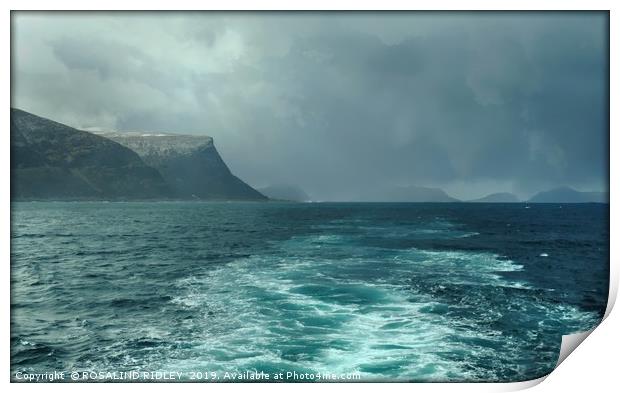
<point x="302" y="288"/>
<point x="292" y="314"/>
<point x="303" y="311"/>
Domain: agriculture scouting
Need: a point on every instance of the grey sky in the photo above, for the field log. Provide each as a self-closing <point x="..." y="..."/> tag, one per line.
<point x="343" y="103"/>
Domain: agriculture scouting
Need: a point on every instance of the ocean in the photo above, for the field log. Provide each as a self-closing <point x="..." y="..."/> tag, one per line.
<point x="363" y="291"/>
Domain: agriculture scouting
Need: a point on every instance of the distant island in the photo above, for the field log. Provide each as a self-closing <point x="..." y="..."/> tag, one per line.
<point x="437" y="195"/>
<point x="407" y="194"/>
<point x="416" y="194"/>
<point x="569" y="195"/>
<point x="555" y="195"/>
<point x="499" y="197"/>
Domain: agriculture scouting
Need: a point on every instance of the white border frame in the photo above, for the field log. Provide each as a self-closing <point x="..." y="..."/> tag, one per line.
<point x="593" y="365"/>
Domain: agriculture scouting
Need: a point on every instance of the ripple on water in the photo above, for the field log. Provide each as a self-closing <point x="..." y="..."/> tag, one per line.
<point x="288" y="316"/>
<point x="324" y="302"/>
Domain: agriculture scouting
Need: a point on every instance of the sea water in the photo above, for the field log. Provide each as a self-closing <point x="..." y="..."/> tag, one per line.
<point x="384" y="292"/>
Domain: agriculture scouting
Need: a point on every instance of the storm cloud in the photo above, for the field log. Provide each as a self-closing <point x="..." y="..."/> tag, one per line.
<point x="340" y="104"/>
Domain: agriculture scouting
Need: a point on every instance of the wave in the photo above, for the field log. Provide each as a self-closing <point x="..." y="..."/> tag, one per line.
<point x="419" y="315"/>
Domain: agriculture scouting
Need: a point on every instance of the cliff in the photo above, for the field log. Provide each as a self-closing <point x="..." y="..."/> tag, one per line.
<point x="50" y="160"/>
<point x="190" y="165"/>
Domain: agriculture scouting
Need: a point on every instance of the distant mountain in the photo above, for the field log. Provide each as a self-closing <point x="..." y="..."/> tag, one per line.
<point x="285" y="192"/>
<point x="190" y="164"/>
<point x="50" y="160"/>
<point x="499" y="197"/>
<point x="569" y="195"/>
<point x="411" y="194"/>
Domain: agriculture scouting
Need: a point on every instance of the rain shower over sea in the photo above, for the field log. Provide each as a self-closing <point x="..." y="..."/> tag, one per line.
<point x="387" y="292"/>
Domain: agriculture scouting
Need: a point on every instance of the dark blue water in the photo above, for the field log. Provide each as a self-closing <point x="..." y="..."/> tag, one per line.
<point x="419" y="292"/>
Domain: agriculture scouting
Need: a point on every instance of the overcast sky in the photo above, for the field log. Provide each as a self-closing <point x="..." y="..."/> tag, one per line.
<point x="339" y="104"/>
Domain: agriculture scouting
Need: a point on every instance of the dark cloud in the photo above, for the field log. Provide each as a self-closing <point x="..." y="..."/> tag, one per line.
<point x="340" y="104"/>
